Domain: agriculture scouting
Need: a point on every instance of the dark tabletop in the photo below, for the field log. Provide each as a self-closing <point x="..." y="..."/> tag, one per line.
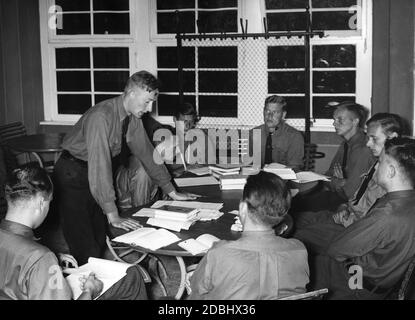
<point x="47" y="142"/>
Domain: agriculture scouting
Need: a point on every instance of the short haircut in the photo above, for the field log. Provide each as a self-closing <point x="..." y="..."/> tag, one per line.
<point x="358" y="111"/>
<point x="278" y="100"/>
<point x="186" y="109"/>
<point x="267" y="197"/>
<point x="389" y="122"/>
<point x="403" y="151"/>
<point x="26" y="182"/>
<point x="144" y="80"/>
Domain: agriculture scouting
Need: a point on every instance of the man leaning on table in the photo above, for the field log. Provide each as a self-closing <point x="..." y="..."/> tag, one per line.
<point x="259" y="265"/>
<point x="280" y="142"/>
<point x="84" y="172"/>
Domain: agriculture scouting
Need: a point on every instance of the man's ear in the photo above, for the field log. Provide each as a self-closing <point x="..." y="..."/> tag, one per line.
<point x="393" y="135"/>
<point x="284" y="114"/>
<point x="356" y="122"/>
<point x="392" y="170"/>
<point x="243" y="208"/>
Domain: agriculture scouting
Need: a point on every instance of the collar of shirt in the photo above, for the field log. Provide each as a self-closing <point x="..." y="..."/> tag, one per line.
<point x="258" y="234"/>
<point x="398" y="195"/>
<point x="120" y="108"/>
<point x="17" y="229"/>
<point x="281" y="125"/>
<point x="359" y="137"/>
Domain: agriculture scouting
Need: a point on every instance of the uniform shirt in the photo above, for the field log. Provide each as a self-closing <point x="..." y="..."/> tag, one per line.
<point x="96" y="138"/>
<point x="359" y="161"/>
<point x="259" y="265"/>
<point x="383" y="242"/>
<point x="287" y="145"/>
<point x="28" y="270"/>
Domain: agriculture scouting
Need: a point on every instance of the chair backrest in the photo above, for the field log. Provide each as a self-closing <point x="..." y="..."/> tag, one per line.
<point x="312" y="295"/>
<point x="12" y="130"/>
<point x="310" y="156"/>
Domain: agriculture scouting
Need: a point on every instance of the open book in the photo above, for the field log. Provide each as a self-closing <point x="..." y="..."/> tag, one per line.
<point x="109" y="272"/>
<point x="202" y="244"/>
<point x="309" y="176"/>
<point x="148" y="238"/>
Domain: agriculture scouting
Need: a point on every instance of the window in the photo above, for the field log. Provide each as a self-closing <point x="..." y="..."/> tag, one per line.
<point x="97" y="44"/>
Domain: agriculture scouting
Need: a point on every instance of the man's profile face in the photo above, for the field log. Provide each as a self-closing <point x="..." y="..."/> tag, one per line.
<point x="383" y="170"/>
<point x="140" y="101"/>
<point x="376" y="139"/>
<point x="273" y="115"/>
<point x="344" y="123"/>
<point x="188" y="121"/>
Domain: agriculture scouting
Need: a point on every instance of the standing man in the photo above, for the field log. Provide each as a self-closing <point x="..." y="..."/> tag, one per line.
<point x="84" y="172"/>
<point x="279" y="142"/>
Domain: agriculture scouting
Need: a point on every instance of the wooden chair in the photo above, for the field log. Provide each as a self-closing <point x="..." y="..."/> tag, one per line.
<point x="12" y="130"/>
<point x="312" y="295"/>
<point x="310" y="156"/>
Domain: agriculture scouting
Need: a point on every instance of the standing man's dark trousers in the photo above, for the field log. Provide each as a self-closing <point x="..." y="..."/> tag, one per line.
<point x="83" y="222"/>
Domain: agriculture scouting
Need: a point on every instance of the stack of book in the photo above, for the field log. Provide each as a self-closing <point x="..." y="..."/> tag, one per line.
<point x="233" y="182"/>
<point x="281" y="171"/>
<point x="173" y="218"/>
<point x="221" y="170"/>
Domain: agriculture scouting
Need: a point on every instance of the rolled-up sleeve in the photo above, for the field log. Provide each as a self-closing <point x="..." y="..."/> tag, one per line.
<point x="99" y="162"/>
<point x="142" y="148"/>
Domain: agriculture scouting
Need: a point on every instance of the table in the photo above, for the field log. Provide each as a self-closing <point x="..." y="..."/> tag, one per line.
<point x="220" y="228"/>
<point x="38" y="143"/>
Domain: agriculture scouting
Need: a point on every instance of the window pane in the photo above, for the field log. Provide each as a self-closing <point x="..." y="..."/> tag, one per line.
<point x="166" y="22"/>
<point x="73" y="5"/>
<point x="167" y="57"/>
<point x="102" y="97"/>
<point x="218" y="106"/>
<point x="219" y="57"/>
<point x="286" y="82"/>
<point x="111" y="23"/>
<point x="334" y="82"/>
<point x="286" y="57"/>
<point x="71" y="58"/>
<point x="74" y="103"/>
<point x="111" y="58"/>
<point x="220" y="21"/>
<point x="323" y="107"/>
<point x="334" y="56"/>
<point x="211" y="4"/>
<point x="111" y="80"/>
<point x="170" y="81"/>
<point x="334" y="20"/>
<point x="73" y="80"/>
<point x="218" y="81"/>
<point x="175" y="4"/>
<point x="286" y="4"/>
<point x="292" y="21"/>
<point x="295" y="107"/>
<point x="333" y="3"/>
<point x="111" y="5"/>
<point x="166" y="104"/>
<point x="75" y="24"/>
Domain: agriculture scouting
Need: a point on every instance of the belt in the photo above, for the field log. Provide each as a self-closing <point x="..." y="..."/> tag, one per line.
<point x="67" y="156"/>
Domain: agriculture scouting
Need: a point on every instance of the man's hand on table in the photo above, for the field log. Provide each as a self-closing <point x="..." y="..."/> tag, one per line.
<point x="122" y="223"/>
<point x="183" y="196"/>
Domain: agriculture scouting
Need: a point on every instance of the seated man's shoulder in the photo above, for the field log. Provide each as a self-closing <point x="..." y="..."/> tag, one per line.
<point x="292" y="131"/>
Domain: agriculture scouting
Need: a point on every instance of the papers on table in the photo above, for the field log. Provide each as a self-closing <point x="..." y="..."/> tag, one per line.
<point x="233" y="182"/>
<point x="109" y="272"/>
<point x="189" y="204"/>
<point x="208" y="215"/>
<point x="283" y="173"/>
<point x="174" y="225"/>
<point x="148" y="238"/>
<point x="249" y="171"/>
<point x="309" y="176"/>
<point x="200" y="171"/>
<point x="197" y="181"/>
<point x="199" y="245"/>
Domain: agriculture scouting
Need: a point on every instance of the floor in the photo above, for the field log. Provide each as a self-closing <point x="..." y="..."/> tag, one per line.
<point x="51" y="235"/>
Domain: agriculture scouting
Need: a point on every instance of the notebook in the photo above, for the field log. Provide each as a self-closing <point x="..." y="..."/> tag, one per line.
<point x="199" y="245"/>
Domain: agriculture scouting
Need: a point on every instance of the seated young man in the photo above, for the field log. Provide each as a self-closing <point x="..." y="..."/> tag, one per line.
<point x="381" y="245"/>
<point x="30" y="271"/>
<point x="349" y="163"/>
<point x="317" y="229"/>
<point x="259" y="265"/>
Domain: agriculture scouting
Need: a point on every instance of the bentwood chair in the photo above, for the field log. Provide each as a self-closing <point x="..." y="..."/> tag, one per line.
<point x="312" y="295"/>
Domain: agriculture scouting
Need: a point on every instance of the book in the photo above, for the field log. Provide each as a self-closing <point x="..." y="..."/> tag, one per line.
<point x="109" y="272"/>
<point x="198" y="181"/>
<point x="148" y="238"/>
<point x="199" y="245"/>
<point x="174" y="225"/>
<point x="309" y="176"/>
<point x="283" y="173"/>
<point x="224" y="169"/>
<point x="188" y="204"/>
<point x="175" y="212"/>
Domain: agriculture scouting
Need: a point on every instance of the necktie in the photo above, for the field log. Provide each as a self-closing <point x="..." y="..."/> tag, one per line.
<point x="125" y="151"/>
<point x="268" y="150"/>
<point x="365" y="183"/>
<point x="344" y="162"/>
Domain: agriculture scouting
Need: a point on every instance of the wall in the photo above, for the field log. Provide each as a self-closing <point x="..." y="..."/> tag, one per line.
<point x="21" y="97"/>
<point x="393" y="57"/>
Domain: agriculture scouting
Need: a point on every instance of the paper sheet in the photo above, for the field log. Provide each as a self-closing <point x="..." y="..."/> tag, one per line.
<point x="199" y="181"/>
<point x="188" y="204"/>
<point x="309" y="176"/>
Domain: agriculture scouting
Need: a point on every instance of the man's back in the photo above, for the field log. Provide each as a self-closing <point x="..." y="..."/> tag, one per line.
<point x="257" y="266"/>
